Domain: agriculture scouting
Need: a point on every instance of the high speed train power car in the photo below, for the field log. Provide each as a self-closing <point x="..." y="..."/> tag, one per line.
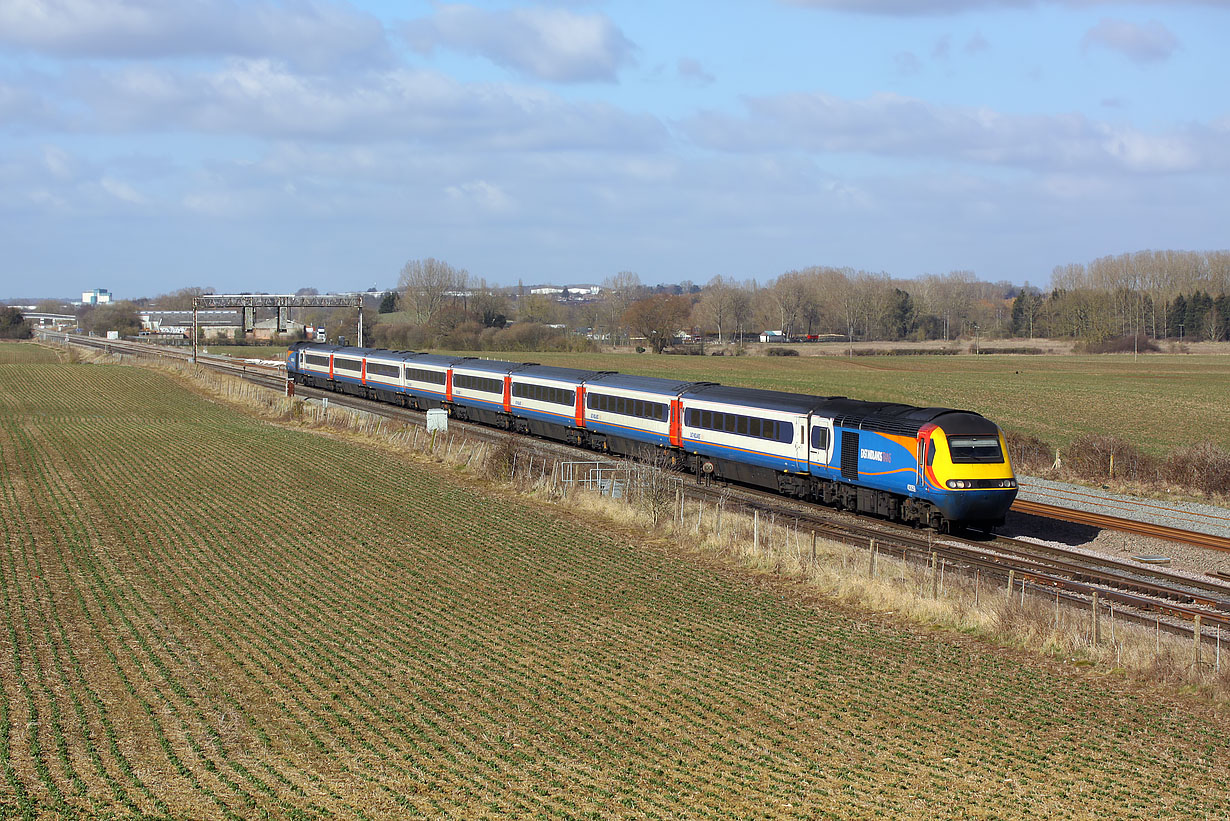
<point x="933" y="467"/>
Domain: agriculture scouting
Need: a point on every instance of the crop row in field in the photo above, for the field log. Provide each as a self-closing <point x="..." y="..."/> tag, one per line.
<point x="1159" y="402"/>
<point x="209" y="616"/>
<point x="24" y="353"/>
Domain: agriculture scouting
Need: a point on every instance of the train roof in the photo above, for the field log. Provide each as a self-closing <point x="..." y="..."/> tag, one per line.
<point x="499" y="366"/>
<point x="756" y="398"/>
<point x="905" y="420"/>
<point x="647" y="384"/>
<point x="573" y="375"/>
<point x="349" y="350"/>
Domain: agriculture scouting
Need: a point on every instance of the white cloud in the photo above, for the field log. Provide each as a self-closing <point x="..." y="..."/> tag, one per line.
<point x="480" y="194"/>
<point x="917" y="8"/>
<point x="548" y="44"/>
<point x="1148" y="43"/>
<point x="310" y="33"/>
<point x="265" y="99"/>
<point x="693" y="72"/>
<point x="121" y="191"/>
<point x="891" y="125"/>
<point x="58" y="162"/>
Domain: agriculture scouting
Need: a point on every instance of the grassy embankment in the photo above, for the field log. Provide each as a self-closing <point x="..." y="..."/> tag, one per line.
<point x="211" y="616"/>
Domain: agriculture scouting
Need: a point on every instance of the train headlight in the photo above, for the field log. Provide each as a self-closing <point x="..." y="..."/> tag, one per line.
<point x="958" y="484"/>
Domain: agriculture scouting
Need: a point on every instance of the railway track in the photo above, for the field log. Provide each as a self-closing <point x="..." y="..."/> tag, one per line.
<point x="1143" y="594"/>
<point x="1073" y="576"/>
<point x="1108" y="522"/>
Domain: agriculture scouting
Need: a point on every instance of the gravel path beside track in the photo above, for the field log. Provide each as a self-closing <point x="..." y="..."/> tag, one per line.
<point x="1180" y="514"/>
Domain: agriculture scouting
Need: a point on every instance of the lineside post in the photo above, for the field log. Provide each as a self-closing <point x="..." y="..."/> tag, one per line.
<point x="1097" y="622"/>
<point x="1196" y="642"/>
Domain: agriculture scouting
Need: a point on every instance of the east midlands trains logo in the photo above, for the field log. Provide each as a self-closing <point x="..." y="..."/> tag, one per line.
<point x="874" y="455"/>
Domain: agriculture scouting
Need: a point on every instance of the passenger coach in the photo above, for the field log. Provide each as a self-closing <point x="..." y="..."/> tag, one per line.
<point x="935" y="467"/>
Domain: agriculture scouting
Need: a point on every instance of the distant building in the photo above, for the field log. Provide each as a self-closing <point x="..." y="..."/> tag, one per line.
<point x="213" y="324"/>
<point x="772" y="336"/>
<point x="98" y="296"/>
<point x="267" y="329"/>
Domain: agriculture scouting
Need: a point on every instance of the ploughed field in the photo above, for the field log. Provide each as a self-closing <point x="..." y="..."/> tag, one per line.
<point x="1158" y="403"/>
<point x="12" y="353"/>
<point x="209" y="616"/>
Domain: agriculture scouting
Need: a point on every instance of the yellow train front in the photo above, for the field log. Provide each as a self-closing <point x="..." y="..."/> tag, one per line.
<point x="966" y="472"/>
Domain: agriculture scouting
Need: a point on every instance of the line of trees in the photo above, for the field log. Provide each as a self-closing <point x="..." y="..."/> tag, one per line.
<point x="1177" y="295"/>
<point x="1170" y="294"/>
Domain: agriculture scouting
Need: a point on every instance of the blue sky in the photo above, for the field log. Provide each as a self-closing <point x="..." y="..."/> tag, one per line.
<point x="148" y="145"/>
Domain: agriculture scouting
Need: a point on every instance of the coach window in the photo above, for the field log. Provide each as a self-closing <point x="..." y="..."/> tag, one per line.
<point x="730" y="422"/>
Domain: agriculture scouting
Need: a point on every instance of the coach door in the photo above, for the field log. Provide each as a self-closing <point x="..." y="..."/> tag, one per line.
<point x="819" y="442"/>
<point x="922" y="461"/>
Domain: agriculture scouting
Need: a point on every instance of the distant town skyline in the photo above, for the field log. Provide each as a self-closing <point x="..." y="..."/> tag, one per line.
<point x="151" y="145"/>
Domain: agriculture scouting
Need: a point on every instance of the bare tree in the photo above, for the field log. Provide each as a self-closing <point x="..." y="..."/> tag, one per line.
<point x="658" y="318"/>
<point x="426" y="285"/>
<point x="794" y="298"/>
<point x="741" y="311"/>
<point x="621" y="290"/>
<point x="716" y="306"/>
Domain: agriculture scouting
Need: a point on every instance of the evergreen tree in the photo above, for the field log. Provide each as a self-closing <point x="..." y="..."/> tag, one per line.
<point x="901" y="315"/>
<point x="13" y="325"/>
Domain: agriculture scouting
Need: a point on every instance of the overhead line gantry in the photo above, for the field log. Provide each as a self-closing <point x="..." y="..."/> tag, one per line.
<point x="250" y="302"/>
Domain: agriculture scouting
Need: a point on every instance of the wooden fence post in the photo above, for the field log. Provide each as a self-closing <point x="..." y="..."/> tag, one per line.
<point x="1097" y="621"/>
<point x="1196" y="633"/>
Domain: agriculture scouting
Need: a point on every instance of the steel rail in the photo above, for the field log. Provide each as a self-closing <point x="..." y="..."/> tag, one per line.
<point x="1104" y="521"/>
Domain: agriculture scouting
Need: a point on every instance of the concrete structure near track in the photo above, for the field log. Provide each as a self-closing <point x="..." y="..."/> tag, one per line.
<point x="250" y="302"/>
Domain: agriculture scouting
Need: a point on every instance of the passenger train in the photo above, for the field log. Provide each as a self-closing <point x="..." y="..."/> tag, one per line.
<point x="929" y="467"/>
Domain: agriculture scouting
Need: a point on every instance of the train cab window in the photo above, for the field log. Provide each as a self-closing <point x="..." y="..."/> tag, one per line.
<point x="819" y="438"/>
<point x="975" y="450"/>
